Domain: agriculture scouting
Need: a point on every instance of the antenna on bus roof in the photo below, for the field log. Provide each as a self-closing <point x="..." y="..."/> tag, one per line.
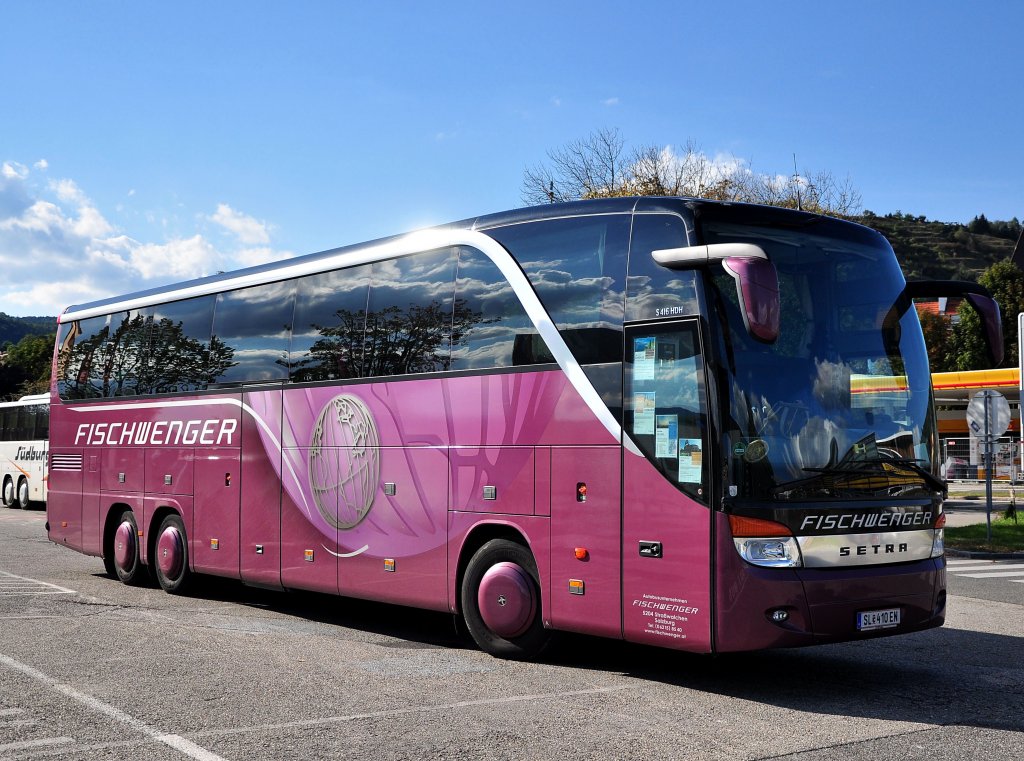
<point x="796" y="181"/>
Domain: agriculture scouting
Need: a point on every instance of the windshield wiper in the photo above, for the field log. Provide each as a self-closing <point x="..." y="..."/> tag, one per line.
<point x="850" y="468"/>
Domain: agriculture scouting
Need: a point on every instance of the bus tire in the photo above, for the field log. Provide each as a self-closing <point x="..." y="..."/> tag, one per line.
<point x="128" y="566"/>
<point x="501" y="602"/>
<point x="23" y="501"/>
<point x="8" y="492"/>
<point x="170" y="561"/>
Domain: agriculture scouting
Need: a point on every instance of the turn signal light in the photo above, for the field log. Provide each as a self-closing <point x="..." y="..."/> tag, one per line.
<point x="741" y="525"/>
<point x="939" y="537"/>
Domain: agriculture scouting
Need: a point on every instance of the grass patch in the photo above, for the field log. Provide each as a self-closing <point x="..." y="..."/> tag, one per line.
<point x="1007" y="536"/>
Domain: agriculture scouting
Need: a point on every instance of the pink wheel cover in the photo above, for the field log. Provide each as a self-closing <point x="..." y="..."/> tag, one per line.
<point x="506" y="600"/>
<point x="170" y="555"/>
<point x="125" y="543"/>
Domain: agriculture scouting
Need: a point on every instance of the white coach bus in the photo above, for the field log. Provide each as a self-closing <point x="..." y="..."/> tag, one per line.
<point x="24" y="449"/>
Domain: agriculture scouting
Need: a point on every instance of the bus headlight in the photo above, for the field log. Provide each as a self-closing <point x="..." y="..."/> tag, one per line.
<point x="773" y="552"/>
<point x="765" y="543"/>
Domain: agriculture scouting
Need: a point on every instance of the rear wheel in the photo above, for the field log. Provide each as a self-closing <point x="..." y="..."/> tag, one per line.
<point x="8" y="492"/>
<point x="127" y="565"/>
<point x="171" y="562"/>
<point x="501" y="602"/>
<point x="23" y="501"/>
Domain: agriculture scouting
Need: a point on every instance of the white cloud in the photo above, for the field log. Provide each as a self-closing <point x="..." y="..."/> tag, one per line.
<point x="13" y="170"/>
<point x="248" y="229"/>
<point x="68" y="191"/>
<point x="182" y="259"/>
<point x="610" y="102"/>
<point x="57" y="248"/>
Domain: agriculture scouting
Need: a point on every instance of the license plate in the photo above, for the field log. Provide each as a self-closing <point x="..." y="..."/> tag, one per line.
<point x="878" y="619"/>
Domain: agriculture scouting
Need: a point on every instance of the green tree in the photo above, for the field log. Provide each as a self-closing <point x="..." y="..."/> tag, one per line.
<point x="937" y="332"/>
<point x="980" y="225"/>
<point x="28" y="366"/>
<point x="967" y="344"/>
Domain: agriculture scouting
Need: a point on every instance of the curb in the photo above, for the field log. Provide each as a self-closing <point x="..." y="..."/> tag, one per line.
<point x="980" y="555"/>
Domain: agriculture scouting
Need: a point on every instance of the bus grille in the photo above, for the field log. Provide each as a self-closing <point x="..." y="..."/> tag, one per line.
<point x="66" y="462"/>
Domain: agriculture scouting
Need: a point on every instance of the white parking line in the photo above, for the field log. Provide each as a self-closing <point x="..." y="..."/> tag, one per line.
<point x="31" y="744"/>
<point x="12" y="584"/>
<point x="180" y="744"/>
<point x="991" y="575"/>
<point x="390" y="713"/>
<point x="990" y="566"/>
<point x="18" y="723"/>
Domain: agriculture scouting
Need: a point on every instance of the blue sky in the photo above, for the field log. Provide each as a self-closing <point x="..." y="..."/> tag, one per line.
<point x="143" y="143"/>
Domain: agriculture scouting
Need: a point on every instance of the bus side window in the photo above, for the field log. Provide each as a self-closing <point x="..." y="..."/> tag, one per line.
<point x="577" y="266"/>
<point x="81" y="350"/>
<point x="490" y="326"/>
<point x="652" y="290"/>
<point x="251" y="333"/>
<point x="179" y="346"/>
<point x="666" y="411"/>
<point x="409" y="315"/>
<point x="330" y="318"/>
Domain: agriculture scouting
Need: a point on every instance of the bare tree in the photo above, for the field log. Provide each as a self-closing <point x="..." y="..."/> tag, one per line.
<point x="599" y="166"/>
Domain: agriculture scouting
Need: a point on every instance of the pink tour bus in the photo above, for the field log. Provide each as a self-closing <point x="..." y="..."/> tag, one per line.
<point x="649" y="419"/>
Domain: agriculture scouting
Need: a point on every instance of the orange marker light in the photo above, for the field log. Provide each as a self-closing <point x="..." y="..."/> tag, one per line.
<point x="581" y="553"/>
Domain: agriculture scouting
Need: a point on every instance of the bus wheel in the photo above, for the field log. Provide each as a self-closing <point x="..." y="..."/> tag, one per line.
<point x="501" y="601"/>
<point x="23" y="501"/>
<point x="171" y="561"/>
<point x="127" y="564"/>
<point x="8" y="492"/>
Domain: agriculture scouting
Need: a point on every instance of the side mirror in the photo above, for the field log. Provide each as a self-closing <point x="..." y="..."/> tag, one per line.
<point x="757" y="286"/>
<point x="992" y="323"/>
<point x="978" y="297"/>
<point x="757" y="281"/>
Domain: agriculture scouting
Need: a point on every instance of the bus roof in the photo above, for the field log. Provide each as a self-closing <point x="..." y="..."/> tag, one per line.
<point x="752" y="213"/>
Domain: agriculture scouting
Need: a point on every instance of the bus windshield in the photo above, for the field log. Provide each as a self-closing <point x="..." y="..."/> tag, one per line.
<point x="839" y="407"/>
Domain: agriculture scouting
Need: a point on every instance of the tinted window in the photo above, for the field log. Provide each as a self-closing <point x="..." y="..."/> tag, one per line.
<point x="578" y="268"/>
<point x="7" y="421"/>
<point x="179" y="347"/>
<point x="665" y="410"/>
<point x="652" y="290"/>
<point x="251" y="333"/>
<point x="409" y="314"/>
<point x="26" y="422"/>
<point x="82" y="359"/>
<point x="330" y="316"/>
<point x="42" y="421"/>
<point x="490" y="326"/>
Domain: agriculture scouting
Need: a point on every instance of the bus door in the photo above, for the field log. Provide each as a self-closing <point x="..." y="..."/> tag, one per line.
<point x="216" y="475"/>
<point x="666" y="525"/>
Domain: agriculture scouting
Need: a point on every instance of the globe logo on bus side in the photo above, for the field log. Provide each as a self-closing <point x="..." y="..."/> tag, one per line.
<point x="344" y="461"/>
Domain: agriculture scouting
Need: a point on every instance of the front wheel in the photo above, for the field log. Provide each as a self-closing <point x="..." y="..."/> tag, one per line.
<point x="501" y="602"/>
<point x="171" y="561"/>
